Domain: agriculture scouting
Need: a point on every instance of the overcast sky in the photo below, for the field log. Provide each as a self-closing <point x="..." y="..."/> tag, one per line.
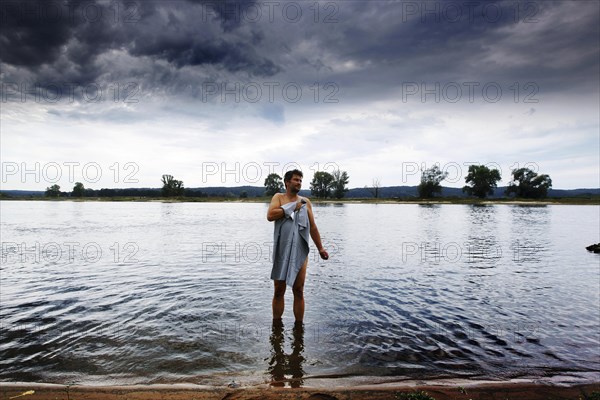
<point x="116" y="93"/>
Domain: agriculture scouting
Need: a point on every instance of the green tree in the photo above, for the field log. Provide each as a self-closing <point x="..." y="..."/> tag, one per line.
<point x="78" y="190"/>
<point x="171" y="186"/>
<point x="528" y="184"/>
<point x="431" y="179"/>
<point x="53" y="191"/>
<point x="273" y="184"/>
<point x="482" y="181"/>
<point x="321" y="184"/>
<point x="243" y="194"/>
<point x="340" y="180"/>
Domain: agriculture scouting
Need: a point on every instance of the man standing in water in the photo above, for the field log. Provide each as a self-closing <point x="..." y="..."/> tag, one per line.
<point x="294" y="221"/>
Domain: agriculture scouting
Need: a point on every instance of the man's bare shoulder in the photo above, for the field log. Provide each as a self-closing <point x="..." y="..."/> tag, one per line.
<point x="279" y="199"/>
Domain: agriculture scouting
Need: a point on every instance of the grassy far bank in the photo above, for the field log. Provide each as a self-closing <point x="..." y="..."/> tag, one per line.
<point x="580" y="200"/>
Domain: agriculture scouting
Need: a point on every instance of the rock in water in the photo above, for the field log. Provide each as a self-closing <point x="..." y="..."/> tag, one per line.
<point x="595" y="248"/>
<point x="233" y="385"/>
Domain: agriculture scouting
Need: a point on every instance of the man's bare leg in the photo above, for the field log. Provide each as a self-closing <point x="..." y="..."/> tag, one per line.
<point x="278" y="299"/>
<point x="298" y="290"/>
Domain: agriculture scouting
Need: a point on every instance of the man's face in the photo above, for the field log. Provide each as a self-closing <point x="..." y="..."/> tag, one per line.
<point x="295" y="183"/>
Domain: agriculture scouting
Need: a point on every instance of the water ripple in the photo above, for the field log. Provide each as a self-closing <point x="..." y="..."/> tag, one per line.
<point x="410" y="291"/>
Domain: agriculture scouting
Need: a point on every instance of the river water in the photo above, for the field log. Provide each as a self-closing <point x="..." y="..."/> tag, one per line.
<point x="126" y="293"/>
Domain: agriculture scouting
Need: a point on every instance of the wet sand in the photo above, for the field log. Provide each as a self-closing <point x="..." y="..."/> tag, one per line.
<point x="511" y="390"/>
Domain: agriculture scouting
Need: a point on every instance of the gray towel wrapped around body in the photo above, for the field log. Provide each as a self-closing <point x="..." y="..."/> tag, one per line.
<point x="290" y="243"/>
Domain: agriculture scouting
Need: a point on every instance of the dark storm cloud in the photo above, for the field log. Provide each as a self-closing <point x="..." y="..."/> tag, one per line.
<point x="29" y="39"/>
<point x="56" y="41"/>
<point x="233" y="56"/>
<point x="191" y="38"/>
<point x="368" y="44"/>
<point x="554" y="43"/>
<point x="188" y="50"/>
<point x="229" y="13"/>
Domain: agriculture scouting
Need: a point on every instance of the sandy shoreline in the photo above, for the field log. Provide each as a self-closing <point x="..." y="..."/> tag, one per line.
<point x="443" y="390"/>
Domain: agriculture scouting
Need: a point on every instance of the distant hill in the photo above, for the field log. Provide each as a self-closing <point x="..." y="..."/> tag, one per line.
<point x="258" y="191"/>
<point x="21" y="193"/>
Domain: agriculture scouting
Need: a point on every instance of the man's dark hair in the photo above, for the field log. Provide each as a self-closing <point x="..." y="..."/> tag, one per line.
<point x="288" y="175"/>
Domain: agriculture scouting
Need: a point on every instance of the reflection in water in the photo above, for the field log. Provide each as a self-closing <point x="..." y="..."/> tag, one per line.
<point x="530" y="232"/>
<point x="429" y="218"/>
<point x="483" y="249"/>
<point x="282" y="364"/>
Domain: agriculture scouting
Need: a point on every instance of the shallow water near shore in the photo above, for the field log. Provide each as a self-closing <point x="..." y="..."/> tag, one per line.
<point x="124" y="293"/>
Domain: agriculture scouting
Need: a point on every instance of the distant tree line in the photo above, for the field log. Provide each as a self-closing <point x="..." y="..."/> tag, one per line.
<point x="323" y="185"/>
<point x="55" y="192"/>
<point x="481" y="182"/>
<point x="171" y="188"/>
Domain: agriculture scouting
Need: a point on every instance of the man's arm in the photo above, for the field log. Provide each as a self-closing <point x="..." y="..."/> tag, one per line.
<point x="275" y="211"/>
<point x="314" y="232"/>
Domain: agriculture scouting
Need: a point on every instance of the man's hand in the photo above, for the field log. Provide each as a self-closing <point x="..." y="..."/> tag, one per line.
<point x="323" y="253"/>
